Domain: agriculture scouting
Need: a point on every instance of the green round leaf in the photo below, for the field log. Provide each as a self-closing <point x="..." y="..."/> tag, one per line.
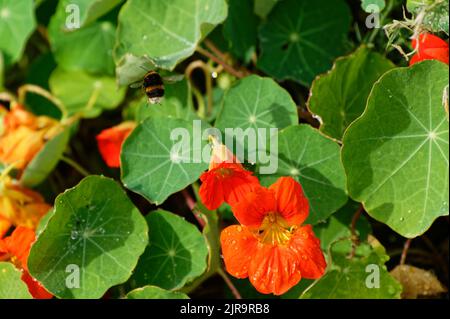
<point x="176" y="254"/>
<point x="340" y="96"/>
<point x="91" y="243"/>
<point x="153" y="292"/>
<point x="169" y="30"/>
<point x="11" y="284"/>
<point x="88" y="48"/>
<point x="17" y="22"/>
<point x="84" y="93"/>
<point x="156" y="166"/>
<point x="314" y="161"/>
<point x="337" y="227"/>
<point x="90" y="10"/>
<point x="362" y="277"/>
<point x="396" y="154"/>
<point x="46" y="160"/>
<point x="301" y="38"/>
<point x="256" y="103"/>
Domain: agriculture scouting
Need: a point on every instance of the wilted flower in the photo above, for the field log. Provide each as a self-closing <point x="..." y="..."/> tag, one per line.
<point x="226" y="180"/>
<point x="19" y="206"/>
<point x="23" y="135"/>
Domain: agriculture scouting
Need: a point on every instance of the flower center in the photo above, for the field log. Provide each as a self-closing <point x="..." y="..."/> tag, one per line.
<point x="275" y="230"/>
<point x="224" y="172"/>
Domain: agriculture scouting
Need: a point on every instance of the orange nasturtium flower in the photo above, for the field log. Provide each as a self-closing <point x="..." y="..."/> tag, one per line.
<point x="430" y="47"/>
<point x="23" y="135"/>
<point x="110" y="142"/>
<point x="16" y="249"/>
<point x="270" y="246"/>
<point x="226" y="180"/>
<point x="19" y="206"/>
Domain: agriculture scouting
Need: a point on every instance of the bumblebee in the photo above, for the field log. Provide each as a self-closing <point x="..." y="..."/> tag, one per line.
<point x="153" y="85"/>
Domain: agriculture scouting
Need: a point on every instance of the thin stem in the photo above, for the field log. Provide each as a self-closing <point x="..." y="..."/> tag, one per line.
<point x="226" y="66"/>
<point x="355" y="237"/>
<point x="190" y="202"/>
<point x="405" y="251"/>
<point x="75" y="166"/>
<point x="30" y="88"/>
<point x="198" y="64"/>
<point x="210" y="45"/>
<point x="386" y="13"/>
<point x="229" y="283"/>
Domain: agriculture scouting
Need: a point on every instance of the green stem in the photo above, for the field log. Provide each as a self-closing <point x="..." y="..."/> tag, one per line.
<point x="75" y="166"/>
<point x="229" y="283"/>
<point x="374" y="33"/>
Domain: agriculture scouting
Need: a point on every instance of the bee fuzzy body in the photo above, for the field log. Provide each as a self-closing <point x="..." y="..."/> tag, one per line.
<point x="153" y="86"/>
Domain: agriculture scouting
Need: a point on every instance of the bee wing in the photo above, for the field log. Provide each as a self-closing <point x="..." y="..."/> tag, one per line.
<point x="173" y="78"/>
<point x="136" y="85"/>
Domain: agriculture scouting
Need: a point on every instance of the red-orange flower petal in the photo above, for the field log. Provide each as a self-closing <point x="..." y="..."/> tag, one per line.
<point x="251" y="209"/>
<point x="19" y="243"/>
<point x="291" y="202"/>
<point x="238" y="247"/>
<point x="35" y="288"/>
<point x="227" y="182"/>
<point x="110" y="142"/>
<point x="274" y="269"/>
<point x="430" y="47"/>
<point x="307" y="248"/>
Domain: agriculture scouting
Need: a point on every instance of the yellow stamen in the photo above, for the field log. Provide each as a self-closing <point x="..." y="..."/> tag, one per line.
<point x="275" y="230"/>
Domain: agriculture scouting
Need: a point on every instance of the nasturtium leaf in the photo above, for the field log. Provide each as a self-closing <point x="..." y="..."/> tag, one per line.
<point x="396" y="154"/>
<point x="17" y="22"/>
<point x="92" y="242"/>
<point x="176" y="254"/>
<point x="211" y="233"/>
<point x="169" y="30"/>
<point x="11" y="284"/>
<point x="337" y="227"/>
<point x="313" y="160"/>
<point x="81" y="43"/>
<point x="163" y="156"/>
<point x="263" y="7"/>
<point x="46" y="160"/>
<point x="301" y="38"/>
<point x="85" y="94"/>
<point x="362" y="277"/>
<point x="89" y="10"/>
<point x="255" y="103"/>
<point x="335" y="233"/>
<point x="240" y="29"/>
<point x="88" y="49"/>
<point x="371" y="6"/>
<point x="153" y="292"/>
<point x="340" y="96"/>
